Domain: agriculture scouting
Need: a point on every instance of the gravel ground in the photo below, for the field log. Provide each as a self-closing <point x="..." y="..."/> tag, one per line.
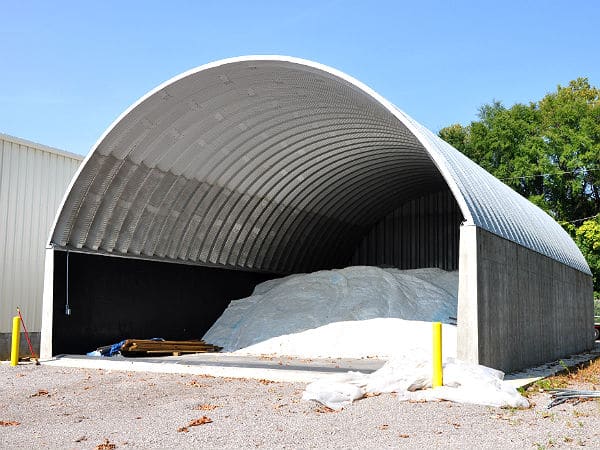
<point x="54" y="407"/>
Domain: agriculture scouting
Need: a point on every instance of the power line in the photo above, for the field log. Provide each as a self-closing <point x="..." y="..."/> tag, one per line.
<point x="583" y="219"/>
<point x="545" y="174"/>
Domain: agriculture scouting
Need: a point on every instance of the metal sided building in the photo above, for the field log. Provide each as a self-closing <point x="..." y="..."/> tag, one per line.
<point x="254" y="167"/>
<point x="33" y="179"/>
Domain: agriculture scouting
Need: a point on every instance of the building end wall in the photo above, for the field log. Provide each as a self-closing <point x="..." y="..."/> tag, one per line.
<point x="519" y="308"/>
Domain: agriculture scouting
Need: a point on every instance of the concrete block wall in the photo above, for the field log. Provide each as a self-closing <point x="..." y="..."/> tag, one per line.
<point x="6" y="344"/>
<point x="518" y="308"/>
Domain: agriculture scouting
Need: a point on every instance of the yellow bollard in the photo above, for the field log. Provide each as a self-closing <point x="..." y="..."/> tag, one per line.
<point x="438" y="379"/>
<point x="16" y="337"/>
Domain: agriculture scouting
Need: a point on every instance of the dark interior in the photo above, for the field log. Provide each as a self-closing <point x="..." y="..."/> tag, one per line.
<point x="112" y="299"/>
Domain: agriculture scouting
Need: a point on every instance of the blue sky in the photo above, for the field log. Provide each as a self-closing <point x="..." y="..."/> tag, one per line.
<point x="70" y="68"/>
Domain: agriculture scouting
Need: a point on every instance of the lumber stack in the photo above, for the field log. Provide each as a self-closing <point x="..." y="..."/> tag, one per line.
<point x="141" y="347"/>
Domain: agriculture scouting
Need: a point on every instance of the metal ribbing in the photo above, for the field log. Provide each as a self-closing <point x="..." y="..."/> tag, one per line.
<point x="423" y="232"/>
<point x="498" y="209"/>
<point x="267" y="164"/>
<point x="33" y="179"/>
<point x="307" y="158"/>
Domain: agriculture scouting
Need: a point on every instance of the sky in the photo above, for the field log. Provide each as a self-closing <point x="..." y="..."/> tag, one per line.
<point x="69" y="69"/>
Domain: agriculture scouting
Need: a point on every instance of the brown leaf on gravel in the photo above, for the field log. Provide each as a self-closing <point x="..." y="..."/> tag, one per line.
<point x="194" y="383"/>
<point x="81" y="439"/>
<point x="9" y="423"/>
<point x="385" y="426"/>
<point x="228" y="379"/>
<point x="182" y="430"/>
<point x="106" y="445"/>
<point x="404" y="436"/>
<point x="40" y="393"/>
<point x="372" y="394"/>
<point x="201" y="421"/>
<point x="263" y="381"/>
<point x="206" y="407"/>
<point x="324" y="409"/>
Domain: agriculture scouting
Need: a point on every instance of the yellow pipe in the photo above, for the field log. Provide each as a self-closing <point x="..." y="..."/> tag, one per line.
<point x="438" y="379"/>
<point x="16" y="337"/>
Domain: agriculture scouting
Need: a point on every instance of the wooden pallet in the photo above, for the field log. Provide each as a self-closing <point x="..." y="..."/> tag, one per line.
<point x="141" y="347"/>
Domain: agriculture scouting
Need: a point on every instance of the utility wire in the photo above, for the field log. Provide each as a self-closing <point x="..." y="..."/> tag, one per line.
<point x="546" y="174"/>
<point x="581" y="220"/>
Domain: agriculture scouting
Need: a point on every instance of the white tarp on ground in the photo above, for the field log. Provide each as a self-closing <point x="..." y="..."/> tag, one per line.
<point x="411" y="379"/>
<point x="303" y="302"/>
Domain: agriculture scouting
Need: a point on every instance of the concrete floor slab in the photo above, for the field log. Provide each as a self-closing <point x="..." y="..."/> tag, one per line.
<point x="284" y="369"/>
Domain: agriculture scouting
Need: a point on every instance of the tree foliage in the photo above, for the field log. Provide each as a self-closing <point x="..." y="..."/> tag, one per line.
<point x="587" y="238"/>
<point x="549" y="152"/>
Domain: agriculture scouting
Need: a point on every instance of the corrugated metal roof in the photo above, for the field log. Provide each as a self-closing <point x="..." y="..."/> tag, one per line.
<point x="278" y="164"/>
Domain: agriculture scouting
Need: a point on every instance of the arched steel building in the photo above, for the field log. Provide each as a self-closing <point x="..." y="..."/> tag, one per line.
<point x="251" y="167"/>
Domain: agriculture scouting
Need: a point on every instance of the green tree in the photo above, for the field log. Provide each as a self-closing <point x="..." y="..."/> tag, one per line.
<point x="587" y="238"/>
<point x="570" y="130"/>
<point x="549" y="152"/>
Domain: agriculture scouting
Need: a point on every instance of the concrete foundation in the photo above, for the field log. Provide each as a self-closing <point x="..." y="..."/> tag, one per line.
<point x="518" y="308"/>
<point x="6" y="343"/>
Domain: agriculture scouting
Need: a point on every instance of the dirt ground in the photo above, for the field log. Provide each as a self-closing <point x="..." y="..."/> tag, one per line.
<point x="53" y="407"/>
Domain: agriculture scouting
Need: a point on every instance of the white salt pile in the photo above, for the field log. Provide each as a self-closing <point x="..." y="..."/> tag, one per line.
<point x="322" y="314"/>
<point x="376" y="338"/>
<point x="363" y="312"/>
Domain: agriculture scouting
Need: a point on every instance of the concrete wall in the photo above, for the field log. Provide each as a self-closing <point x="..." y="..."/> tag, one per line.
<point x="6" y="343"/>
<point x="518" y="308"/>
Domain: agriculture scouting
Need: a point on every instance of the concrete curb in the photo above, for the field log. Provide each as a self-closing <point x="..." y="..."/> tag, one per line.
<point x="527" y="377"/>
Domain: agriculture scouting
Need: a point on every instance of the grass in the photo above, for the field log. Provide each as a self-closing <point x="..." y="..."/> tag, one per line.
<point x="583" y="376"/>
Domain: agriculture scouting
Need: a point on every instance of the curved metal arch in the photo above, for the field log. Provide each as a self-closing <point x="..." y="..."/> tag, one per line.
<point x="261" y="179"/>
<point x="289" y="223"/>
<point x="278" y="184"/>
<point x="158" y="143"/>
<point x="312" y="175"/>
<point x="353" y="194"/>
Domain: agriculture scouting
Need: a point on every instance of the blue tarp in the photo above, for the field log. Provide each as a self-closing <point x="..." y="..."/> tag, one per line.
<point x="114" y="349"/>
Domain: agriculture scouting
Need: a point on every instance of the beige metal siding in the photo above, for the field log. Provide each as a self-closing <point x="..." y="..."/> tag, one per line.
<point x="33" y="180"/>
